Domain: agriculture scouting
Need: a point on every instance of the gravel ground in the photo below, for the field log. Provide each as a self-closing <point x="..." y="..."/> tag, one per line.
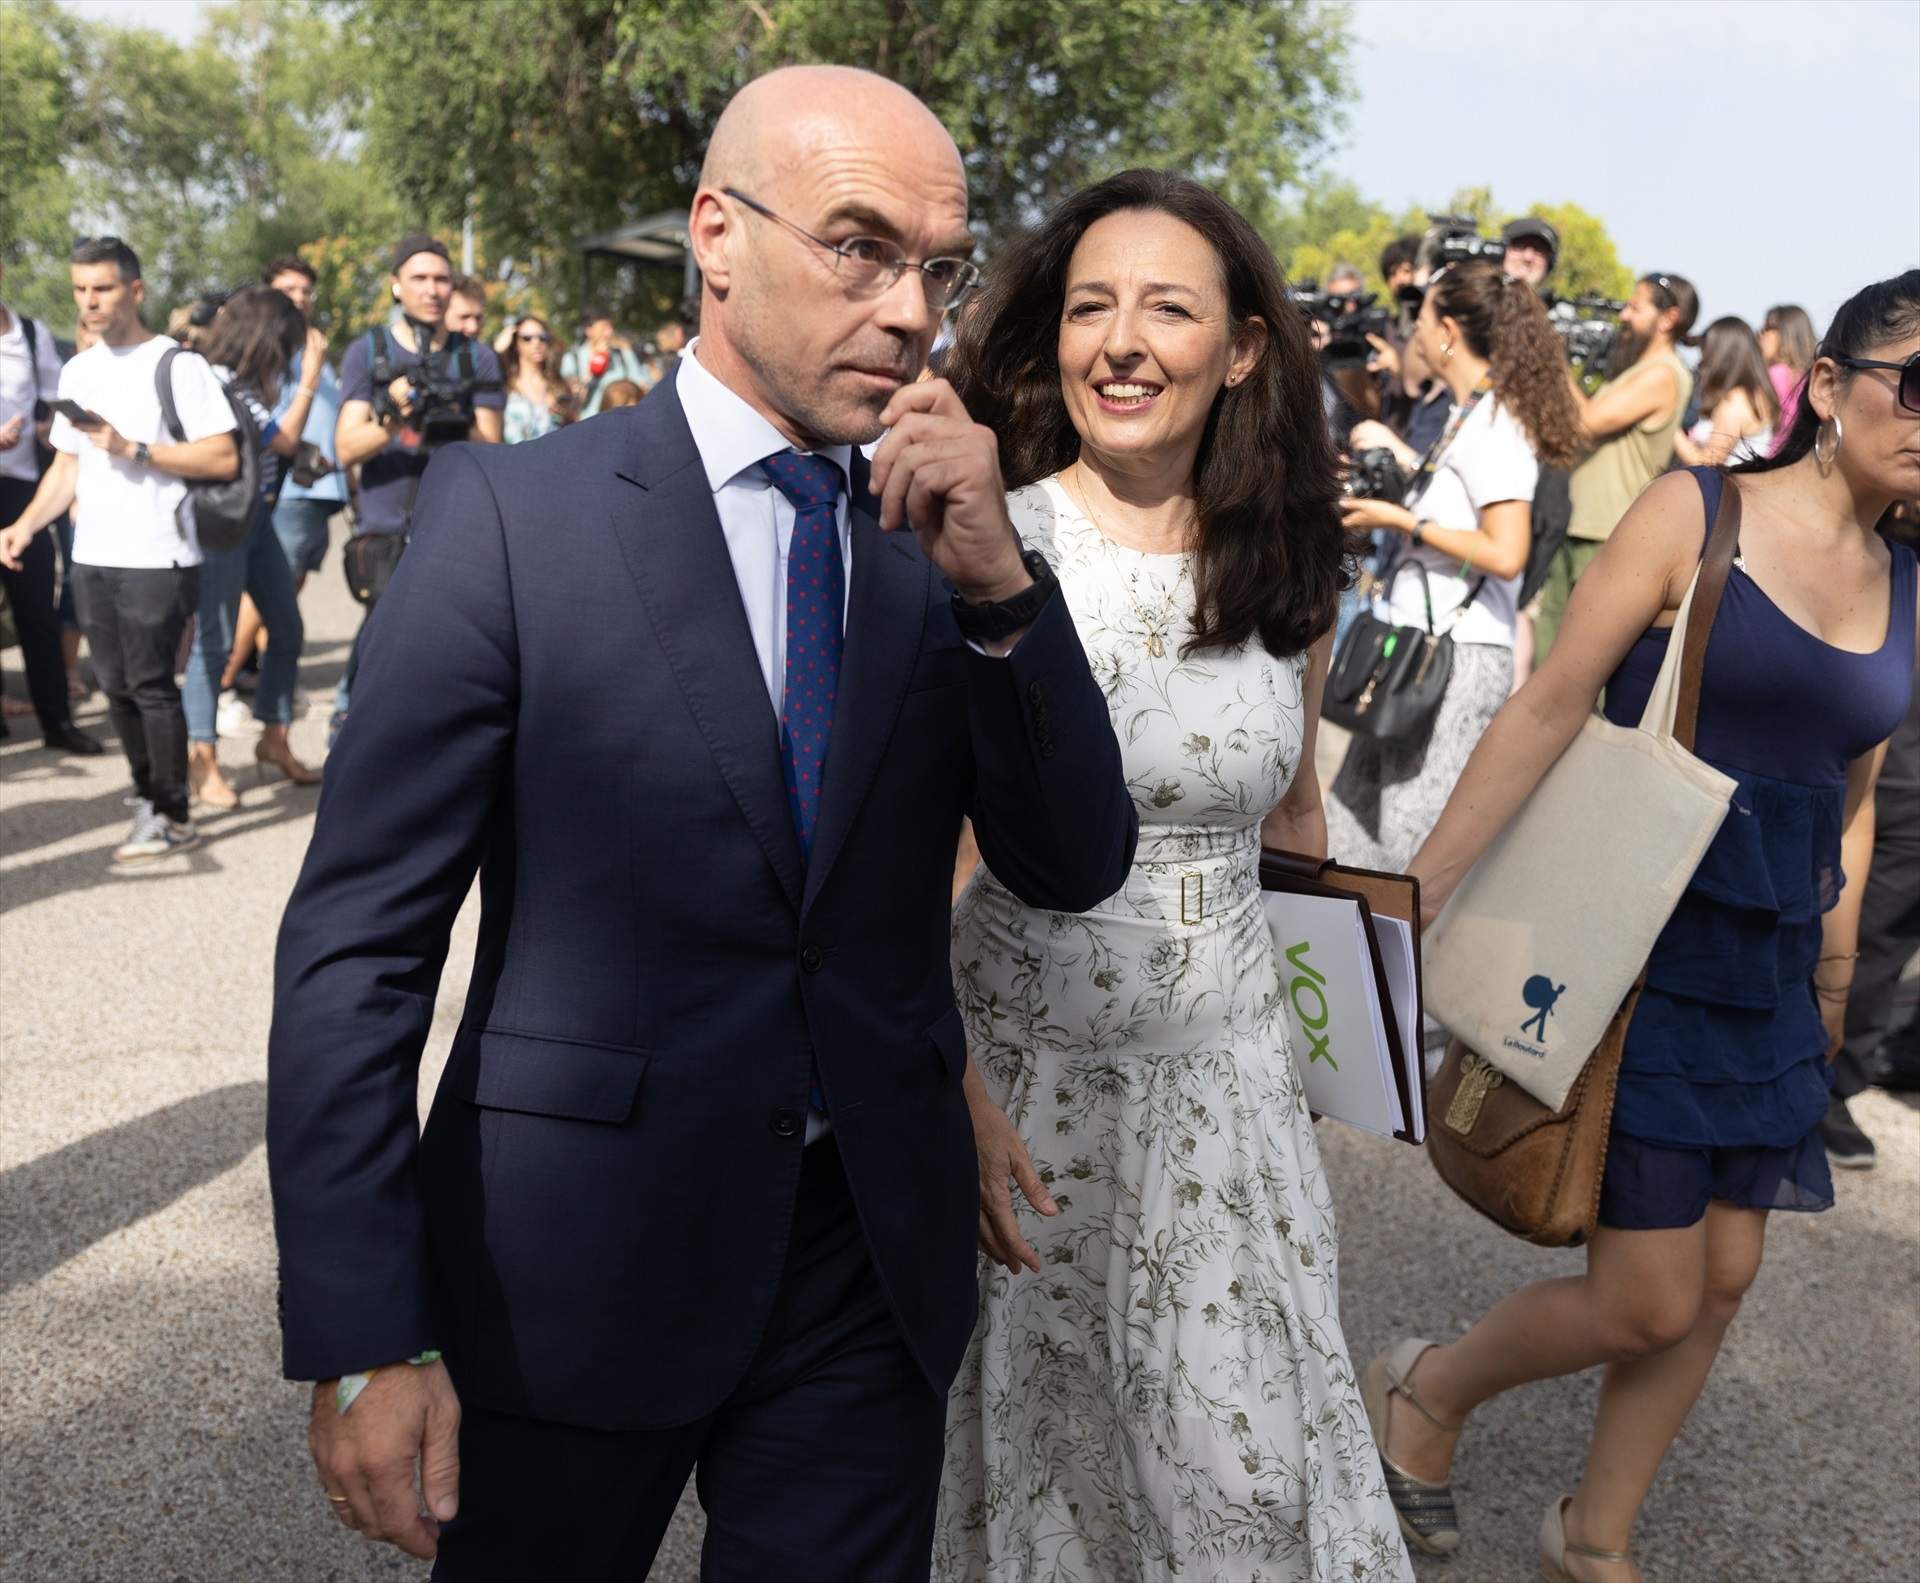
<point x="146" y="1436"/>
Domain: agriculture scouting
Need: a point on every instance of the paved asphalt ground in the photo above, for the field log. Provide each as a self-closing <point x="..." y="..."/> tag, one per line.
<point x="145" y="1434"/>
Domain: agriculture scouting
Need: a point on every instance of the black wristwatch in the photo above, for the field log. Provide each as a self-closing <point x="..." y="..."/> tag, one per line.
<point x="992" y="620"/>
<point x="141" y="454"/>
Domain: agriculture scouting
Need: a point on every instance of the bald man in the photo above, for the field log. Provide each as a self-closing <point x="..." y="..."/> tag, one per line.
<point x="703" y="698"/>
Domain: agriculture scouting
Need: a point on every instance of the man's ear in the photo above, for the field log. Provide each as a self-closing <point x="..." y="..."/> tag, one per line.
<point x="709" y="235"/>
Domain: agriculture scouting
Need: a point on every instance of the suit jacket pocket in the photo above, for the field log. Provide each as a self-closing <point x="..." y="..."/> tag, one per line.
<point x="541" y="1076"/>
<point x="949" y="1036"/>
<point x="942" y="665"/>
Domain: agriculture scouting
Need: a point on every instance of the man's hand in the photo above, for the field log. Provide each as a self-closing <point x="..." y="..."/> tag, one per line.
<point x="1002" y="1156"/>
<point x="105" y="436"/>
<point x="11" y="430"/>
<point x="368" y="1453"/>
<point x="14" y="540"/>
<point x="938" y="472"/>
<point x="1386" y="357"/>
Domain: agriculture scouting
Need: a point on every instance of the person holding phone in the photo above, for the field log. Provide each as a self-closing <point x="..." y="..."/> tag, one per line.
<point x="136" y="554"/>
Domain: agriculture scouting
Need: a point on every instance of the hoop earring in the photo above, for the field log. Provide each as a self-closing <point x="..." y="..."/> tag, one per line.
<point x="1826" y="442"/>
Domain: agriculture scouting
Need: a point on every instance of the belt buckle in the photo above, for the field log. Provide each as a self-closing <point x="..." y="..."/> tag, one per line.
<point x="1194" y="911"/>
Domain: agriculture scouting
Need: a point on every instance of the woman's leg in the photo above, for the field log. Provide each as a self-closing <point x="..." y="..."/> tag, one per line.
<point x="1641" y="1294"/>
<point x="246" y="636"/>
<point x="1644" y="1401"/>
<point x="223" y="574"/>
<point x="270" y="583"/>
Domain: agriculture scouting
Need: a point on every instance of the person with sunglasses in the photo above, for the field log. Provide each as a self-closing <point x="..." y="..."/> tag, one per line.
<point x="1630" y="423"/>
<point x="538" y="400"/>
<point x="703" y="694"/>
<point x="1725" y="1074"/>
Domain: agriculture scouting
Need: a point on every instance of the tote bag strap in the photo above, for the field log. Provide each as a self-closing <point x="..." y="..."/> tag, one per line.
<point x="1673" y="707"/>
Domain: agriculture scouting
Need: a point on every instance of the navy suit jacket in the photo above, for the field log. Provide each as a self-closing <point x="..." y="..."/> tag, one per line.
<point x="559" y="690"/>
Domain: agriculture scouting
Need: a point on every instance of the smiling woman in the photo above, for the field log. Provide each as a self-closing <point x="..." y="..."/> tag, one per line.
<point x="1138" y="1410"/>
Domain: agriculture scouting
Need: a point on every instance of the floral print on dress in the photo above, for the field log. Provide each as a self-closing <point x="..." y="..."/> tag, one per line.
<point x="1171" y="1398"/>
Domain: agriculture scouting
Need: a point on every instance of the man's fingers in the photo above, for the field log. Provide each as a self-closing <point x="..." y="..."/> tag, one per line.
<point x="396" y="1507"/>
<point x="926" y="395"/>
<point x="440" y="1460"/>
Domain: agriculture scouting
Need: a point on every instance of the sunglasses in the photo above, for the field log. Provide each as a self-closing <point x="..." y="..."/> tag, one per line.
<point x="1909" y="373"/>
<point x="536" y="336"/>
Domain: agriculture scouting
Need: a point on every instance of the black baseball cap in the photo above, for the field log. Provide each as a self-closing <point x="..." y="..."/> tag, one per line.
<point x="1533" y="230"/>
<point x="417" y="242"/>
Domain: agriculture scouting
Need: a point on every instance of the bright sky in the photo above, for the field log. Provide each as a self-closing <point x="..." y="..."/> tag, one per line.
<point x="1769" y="150"/>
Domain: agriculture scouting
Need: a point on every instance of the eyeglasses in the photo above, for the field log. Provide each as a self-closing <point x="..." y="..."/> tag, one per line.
<point x="1909" y="373"/>
<point x="867" y="263"/>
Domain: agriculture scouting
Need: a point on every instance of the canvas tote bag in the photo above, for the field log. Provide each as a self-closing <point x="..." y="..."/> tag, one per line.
<point x="1538" y="949"/>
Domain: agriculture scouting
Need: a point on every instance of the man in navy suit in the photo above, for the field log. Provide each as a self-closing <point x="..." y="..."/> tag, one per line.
<point x="703" y="699"/>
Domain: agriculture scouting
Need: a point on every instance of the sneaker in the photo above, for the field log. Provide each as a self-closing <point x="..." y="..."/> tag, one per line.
<point x="1847" y="1146"/>
<point x="153" y="836"/>
<point x="234" y="718"/>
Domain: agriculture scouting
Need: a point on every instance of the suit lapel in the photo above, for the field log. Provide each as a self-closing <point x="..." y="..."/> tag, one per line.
<point x="670" y="536"/>
<point x="886" y="614"/>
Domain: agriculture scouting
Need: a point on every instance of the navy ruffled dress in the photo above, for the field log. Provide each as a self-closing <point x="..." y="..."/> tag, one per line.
<point x="1724" y="1077"/>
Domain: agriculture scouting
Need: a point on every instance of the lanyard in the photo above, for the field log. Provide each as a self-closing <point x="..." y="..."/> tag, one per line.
<point x="1430" y="463"/>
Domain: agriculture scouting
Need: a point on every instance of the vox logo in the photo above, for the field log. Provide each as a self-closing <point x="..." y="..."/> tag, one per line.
<point x="1308" y="988"/>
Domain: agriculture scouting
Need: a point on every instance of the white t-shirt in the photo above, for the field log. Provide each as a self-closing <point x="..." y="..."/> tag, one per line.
<point x="1489" y="460"/>
<point x="128" y="515"/>
<point x="21" y="384"/>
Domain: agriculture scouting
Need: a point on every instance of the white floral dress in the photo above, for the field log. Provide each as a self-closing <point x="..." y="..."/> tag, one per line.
<point x="1172" y="1397"/>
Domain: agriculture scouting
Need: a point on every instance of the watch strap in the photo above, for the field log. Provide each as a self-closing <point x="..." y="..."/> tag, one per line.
<point x="992" y="620"/>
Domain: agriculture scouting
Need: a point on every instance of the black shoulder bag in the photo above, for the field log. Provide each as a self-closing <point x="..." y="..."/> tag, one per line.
<point x="1388" y="682"/>
<point x="223" y="509"/>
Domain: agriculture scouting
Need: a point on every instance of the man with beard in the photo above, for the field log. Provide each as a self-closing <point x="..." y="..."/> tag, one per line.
<point x="1631" y="421"/>
<point x="704" y="697"/>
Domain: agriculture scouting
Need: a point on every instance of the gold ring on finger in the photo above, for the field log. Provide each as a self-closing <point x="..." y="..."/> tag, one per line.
<point x="338" y="1500"/>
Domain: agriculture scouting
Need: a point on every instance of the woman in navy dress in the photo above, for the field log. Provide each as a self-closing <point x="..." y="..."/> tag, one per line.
<point x="1724" y="1079"/>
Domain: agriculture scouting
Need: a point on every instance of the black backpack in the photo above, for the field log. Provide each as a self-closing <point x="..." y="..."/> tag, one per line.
<point x="223" y="509"/>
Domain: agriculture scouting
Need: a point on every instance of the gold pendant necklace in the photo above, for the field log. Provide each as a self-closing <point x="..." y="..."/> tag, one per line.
<point x="1153" y="623"/>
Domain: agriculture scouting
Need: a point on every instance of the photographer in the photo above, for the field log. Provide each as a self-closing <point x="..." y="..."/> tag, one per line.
<point x="1532" y="248"/>
<point x="1630" y="422"/>
<point x="1466" y="527"/>
<point x="406" y="389"/>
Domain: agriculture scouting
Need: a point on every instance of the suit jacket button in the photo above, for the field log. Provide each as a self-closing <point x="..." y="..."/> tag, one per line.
<point x="786" y="1123"/>
<point x="812" y="959"/>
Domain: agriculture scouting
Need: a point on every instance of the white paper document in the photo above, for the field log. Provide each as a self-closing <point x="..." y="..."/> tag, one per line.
<point x="1340" y="1012"/>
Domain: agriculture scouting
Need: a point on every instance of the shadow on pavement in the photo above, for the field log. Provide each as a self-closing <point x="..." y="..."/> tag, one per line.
<point x="76" y="871"/>
<point x="62" y="1203"/>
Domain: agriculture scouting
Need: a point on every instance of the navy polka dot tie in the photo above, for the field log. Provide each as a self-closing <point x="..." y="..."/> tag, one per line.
<point x="816" y="607"/>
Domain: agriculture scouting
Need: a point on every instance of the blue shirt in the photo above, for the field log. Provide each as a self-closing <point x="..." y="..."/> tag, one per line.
<point x="321" y="418"/>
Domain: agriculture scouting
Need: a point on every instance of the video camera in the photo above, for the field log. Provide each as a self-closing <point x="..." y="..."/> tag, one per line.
<point x="1376" y="474"/>
<point x="1350" y="317"/>
<point x="1588" y="328"/>
<point x="441" y="386"/>
<point x="1455" y="239"/>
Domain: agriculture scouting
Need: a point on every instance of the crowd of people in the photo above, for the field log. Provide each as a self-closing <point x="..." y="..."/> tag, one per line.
<point x="175" y="648"/>
<point x="1145" y="516"/>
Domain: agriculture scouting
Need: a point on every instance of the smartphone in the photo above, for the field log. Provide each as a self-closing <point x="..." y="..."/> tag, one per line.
<point x="76" y="414"/>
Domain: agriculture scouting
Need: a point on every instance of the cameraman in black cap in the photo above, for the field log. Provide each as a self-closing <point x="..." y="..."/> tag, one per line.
<point x="1532" y="248"/>
<point x="407" y="388"/>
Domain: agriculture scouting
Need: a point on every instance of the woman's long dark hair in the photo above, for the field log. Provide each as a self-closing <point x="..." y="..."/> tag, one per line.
<point x="257" y="333"/>
<point x="1730" y="359"/>
<point x="1271" y="556"/>
<point x="1798" y="347"/>
<point x="549" y="364"/>
<point x="1886" y="311"/>
<point x="1503" y="320"/>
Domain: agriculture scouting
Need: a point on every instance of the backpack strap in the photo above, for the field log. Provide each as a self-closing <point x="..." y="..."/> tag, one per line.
<point x="461" y="346"/>
<point x="163" y="387"/>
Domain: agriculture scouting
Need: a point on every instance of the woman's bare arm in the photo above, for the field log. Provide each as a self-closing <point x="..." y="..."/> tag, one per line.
<point x="1643" y="571"/>
<point x="1298" y="823"/>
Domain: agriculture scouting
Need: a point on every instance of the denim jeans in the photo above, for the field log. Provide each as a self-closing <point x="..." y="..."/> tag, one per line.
<point x="259" y="567"/>
<point x="302" y="526"/>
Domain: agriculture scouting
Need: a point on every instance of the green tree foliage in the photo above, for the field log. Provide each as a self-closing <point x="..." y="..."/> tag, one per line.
<point x="37" y="41"/>
<point x="563" y="117"/>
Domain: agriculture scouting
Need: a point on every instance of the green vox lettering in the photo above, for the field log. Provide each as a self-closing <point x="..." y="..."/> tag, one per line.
<point x="1309" y="982"/>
